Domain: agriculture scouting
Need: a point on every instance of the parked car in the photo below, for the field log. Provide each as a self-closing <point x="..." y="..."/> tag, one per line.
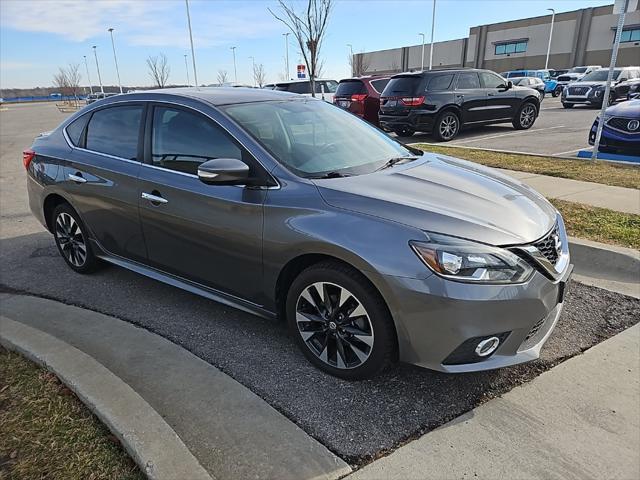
<point x="94" y="97"/>
<point x="627" y="88"/>
<point x="621" y="129"/>
<point x="532" y="82"/>
<point x="441" y="102"/>
<point x="590" y="89"/>
<point x="325" y="89"/>
<point x="280" y="204"/>
<point x="556" y="72"/>
<point x="361" y="96"/>
<point x="574" y="74"/>
<point x="544" y="75"/>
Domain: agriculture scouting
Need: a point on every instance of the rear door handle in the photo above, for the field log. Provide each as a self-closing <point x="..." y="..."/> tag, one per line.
<point x="77" y="178"/>
<point x="154" y="198"/>
<point x="491" y="94"/>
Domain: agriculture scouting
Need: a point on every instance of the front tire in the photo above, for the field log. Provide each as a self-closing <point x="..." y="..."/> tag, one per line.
<point x="72" y="240"/>
<point x="340" y="321"/>
<point x="446" y="126"/>
<point x="567" y="105"/>
<point x="526" y="116"/>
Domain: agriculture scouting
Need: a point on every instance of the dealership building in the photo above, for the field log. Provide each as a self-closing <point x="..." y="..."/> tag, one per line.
<point x="580" y="37"/>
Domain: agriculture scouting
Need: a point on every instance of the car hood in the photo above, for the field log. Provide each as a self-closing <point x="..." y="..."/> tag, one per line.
<point x="592" y="84"/>
<point x="446" y="195"/>
<point x="628" y="109"/>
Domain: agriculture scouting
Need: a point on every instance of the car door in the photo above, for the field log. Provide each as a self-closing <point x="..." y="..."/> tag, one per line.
<point x="501" y="102"/>
<point x="102" y="176"/>
<point x="470" y="96"/>
<point x="209" y="234"/>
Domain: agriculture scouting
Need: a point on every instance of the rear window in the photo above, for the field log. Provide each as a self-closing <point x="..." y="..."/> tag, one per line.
<point x="401" y="86"/>
<point x="350" y="87"/>
<point x="440" y="82"/>
<point x="379" y="85"/>
<point x="75" y="129"/>
<point x="114" y="131"/>
<point x="298" y="87"/>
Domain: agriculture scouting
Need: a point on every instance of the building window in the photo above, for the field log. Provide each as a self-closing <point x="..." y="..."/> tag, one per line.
<point x="511" y="47"/>
<point x="630" y="35"/>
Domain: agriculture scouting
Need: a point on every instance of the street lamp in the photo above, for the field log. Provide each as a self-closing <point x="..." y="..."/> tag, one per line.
<point x="433" y="26"/>
<point x="253" y="71"/>
<point x="186" y="67"/>
<point x="235" y="71"/>
<point x="553" y="17"/>
<point x="95" y="54"/>
<point x="86" y="65"/>
<point x="193" y="53"/>
<point x="353" y="71"/>
<point x="422" y="63"/>
<point x="115" y="59"/>
<point x="286" y="48"/>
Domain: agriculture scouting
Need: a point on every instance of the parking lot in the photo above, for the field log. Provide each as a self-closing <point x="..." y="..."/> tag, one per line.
<point x="557" y="132"/>
<point x="356" y="420"/>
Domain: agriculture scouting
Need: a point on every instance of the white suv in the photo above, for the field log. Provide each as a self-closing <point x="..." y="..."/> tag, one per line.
<point x="325" y="89"/>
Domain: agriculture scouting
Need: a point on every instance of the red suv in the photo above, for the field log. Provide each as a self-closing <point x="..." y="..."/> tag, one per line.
<point x="361" y="96"/>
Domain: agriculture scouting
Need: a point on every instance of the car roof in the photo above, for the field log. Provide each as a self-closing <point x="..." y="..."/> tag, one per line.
<point x="422" y="73"/>
<point x="305" y="80"/>
<point x="224" y="95"/>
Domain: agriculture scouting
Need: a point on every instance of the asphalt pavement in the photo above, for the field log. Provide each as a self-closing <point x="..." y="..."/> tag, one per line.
<point x="358" y="420"/>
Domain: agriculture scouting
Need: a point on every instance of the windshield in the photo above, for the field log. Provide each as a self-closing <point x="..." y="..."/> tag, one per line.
<point x="578" y="70"/>
<point x="600" y="76"/>
<point x="313" y="138"/>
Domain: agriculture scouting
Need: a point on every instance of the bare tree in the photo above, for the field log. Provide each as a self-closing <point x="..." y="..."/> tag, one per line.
<point x="73" y="79"/>
<point x="309" y="28"/>
<point x="60" y="80"/>
<point x="359" y="63"/>
<point x="159" y="69"/>
<point x="223" y="77"/>
<point x="259" y="74"/>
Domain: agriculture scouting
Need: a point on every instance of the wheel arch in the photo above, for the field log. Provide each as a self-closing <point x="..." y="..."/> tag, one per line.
<point x="50" y="203"/>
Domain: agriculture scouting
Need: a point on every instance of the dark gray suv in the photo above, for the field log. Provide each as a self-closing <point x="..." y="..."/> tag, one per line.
<point x="283" y="205"/>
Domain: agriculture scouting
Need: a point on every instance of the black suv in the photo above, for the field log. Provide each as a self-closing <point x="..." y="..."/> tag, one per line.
<point x="443" y="101"/>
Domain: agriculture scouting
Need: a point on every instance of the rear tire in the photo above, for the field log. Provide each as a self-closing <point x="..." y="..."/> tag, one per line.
<point x="526" y="116"/>
<point x="446" y="126"/>
<point x="405" y="132"/>
<point x="340" y="321"/>
<point x="72" y="240"/>
<point x="557" y="92"/>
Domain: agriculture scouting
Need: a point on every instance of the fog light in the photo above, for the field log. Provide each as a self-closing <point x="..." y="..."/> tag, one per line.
<point x="487" y="347"/>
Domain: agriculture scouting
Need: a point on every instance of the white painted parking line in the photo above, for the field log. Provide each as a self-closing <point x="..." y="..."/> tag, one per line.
<point x="517" y="132"/>
<point x="571" y="151"/>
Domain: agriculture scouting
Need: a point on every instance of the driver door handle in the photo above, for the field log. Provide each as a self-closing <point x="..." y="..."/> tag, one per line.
<point x="491" y="94"/>
<point x="153" y="198"/>
<point x="77" y="178"/>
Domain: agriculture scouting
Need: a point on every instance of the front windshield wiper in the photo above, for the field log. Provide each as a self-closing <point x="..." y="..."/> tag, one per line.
<point x="393" y="161"/>
<point x="331" y="175"/>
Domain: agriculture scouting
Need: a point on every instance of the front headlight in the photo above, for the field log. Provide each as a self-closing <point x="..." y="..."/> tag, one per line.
<point x="467" y="261"/>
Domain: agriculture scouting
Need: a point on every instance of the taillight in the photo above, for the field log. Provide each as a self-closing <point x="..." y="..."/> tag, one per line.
<point x="27" y="156"/>
<point x="358" y="97"/>
<point x="412" y="101"/>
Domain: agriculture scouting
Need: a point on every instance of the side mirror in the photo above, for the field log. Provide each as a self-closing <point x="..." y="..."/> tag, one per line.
<point x="509" y="85"/>
<point x="224" y="171"/>
<point x="506" y="86"/>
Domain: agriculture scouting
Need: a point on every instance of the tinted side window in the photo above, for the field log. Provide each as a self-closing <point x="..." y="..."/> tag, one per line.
<point x="75" y="129"/>
<point x="301" y="87"/>
<point x="181" y="140"/>
<point x="115" y="131"/>
<point x="440" y="82"/>
<point x="468" y="80"/>
<point x="490" y="80"/>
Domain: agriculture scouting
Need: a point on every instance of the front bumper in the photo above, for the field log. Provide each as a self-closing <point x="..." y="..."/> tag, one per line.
<point x="436" y="317"/>
<point x="615" y="140"/>
<point x="592" y="97"/>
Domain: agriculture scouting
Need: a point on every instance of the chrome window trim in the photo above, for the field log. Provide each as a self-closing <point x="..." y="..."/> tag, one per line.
<point x="131" y="101"/>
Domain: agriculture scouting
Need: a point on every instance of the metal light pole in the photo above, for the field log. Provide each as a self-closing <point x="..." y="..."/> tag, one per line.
<point x="186" y="67"/>
<point x="193" y="53"/>
<point x="433" y="25"/>
<point x="95" y="54"/>
<point x="422" y="64"/>
<point x="553" y="17"/>
<point x="353" y="70"/>
<point x="286" y="48"/>
<point x="86" y="65"/>
<point x="115" y="59"/>
<point x="235" y="71"/>
<point x="624" y="4"/>
<point x="253" y="71"/>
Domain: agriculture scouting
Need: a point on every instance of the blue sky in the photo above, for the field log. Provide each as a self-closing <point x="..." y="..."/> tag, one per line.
<point x="38" y="36"/>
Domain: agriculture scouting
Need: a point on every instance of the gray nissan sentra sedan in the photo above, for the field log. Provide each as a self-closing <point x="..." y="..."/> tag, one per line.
<point x="283" y="205"/>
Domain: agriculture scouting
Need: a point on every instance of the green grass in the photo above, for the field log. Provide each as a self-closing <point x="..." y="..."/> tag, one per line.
<point x="599" y="172"/>
<point x="47" y="433"/>
<point x="600" y="224"/>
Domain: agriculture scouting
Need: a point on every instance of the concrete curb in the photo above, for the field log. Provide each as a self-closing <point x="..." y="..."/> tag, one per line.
<point x="511" y="152"/>
<point x="148" y="439"/>
<point x="606" y="266"/>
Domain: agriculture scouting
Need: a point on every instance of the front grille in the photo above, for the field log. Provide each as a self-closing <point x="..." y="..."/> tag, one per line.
<point x="547" y="246"/>
<point x="565" y="78"/>
<point x="620" y="123"/>
<point x="578" y="90"/>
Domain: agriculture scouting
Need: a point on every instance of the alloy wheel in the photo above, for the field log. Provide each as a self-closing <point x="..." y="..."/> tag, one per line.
<point x="527" y="116"/>
<point x="334" y="325"/>
<point x="448" y="126"/>
<point x="71" y="240"/>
